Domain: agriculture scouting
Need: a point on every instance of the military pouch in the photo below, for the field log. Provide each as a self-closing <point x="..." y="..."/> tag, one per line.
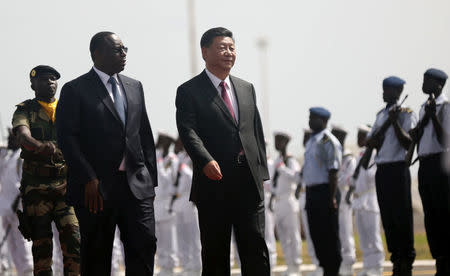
<point x="24" y="225"/>
<point x="33" y="168"/>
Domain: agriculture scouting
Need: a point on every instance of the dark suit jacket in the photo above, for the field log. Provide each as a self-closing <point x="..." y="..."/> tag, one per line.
<point x="94" y="140"/>
<point x="209" y="132"/>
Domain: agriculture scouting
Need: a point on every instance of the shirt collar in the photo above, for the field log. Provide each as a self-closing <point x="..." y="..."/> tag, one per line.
<point x="103" y="76"/>
<point x="319" y="135"/>
<point x="216" y="81"/>
<point x="439" y="100"/>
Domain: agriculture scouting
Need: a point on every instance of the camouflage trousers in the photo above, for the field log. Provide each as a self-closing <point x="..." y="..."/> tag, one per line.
<point x="43" y="206"/>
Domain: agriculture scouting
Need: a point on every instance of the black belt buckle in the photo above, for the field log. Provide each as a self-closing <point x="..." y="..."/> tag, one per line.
<point x="241" y="160"/>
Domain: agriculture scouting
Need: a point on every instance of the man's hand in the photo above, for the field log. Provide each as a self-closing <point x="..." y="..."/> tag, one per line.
<point x="393" y="114"/>
<point x="372" y="142"/>
<point x="92" y="198"/>
<point x="46" y="149"/>
<point x="333" y="204"/>
<point x="430" y="108"/>
<point x="212" y="170"/>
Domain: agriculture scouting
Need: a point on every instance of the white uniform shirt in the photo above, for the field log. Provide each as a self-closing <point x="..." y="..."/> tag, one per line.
<point x="391" y="150"/>
<point x="322" y="154"/>
<point x="216" y="82"/>
<point x="428" y="142"/>
<point x="167" y="174"/>
<point x="365" y="196"/>
<point x="287" y="176"/>
<point x="184" y="183"/>
<point x="346" y="171"/>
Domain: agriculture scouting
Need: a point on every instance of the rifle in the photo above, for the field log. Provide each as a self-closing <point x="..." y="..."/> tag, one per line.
<point x="378" y="136"/>
<point x="416" y="134"/>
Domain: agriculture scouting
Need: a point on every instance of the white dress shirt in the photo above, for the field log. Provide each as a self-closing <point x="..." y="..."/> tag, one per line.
<point x="105" y="78"/>
<point x="428" y="142"/>
<point x="391" y="150"/>
<point x="321" y="156"/>
<point x="216" y="82"/>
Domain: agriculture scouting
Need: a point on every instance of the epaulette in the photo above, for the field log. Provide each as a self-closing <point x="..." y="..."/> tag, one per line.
<point x="406" y="110"/>
<point x="325" y="139"/>
<point x="28" y="103"/>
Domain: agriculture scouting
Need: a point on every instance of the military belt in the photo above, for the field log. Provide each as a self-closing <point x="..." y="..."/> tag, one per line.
<point x="44" y="170"/>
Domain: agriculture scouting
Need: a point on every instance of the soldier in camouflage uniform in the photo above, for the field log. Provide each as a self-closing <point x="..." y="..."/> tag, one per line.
<point x="43" y="184"/>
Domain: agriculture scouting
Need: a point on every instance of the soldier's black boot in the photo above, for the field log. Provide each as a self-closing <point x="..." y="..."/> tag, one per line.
<point x="405" y="268"/>
<point x="396" y="268"/>
<point x="442" y="266"/>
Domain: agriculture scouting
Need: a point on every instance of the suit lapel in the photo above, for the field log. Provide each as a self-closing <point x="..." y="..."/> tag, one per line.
<point x="103" y="94"/>
<point x="212" y="93"/>
<point x="238" y="89"/>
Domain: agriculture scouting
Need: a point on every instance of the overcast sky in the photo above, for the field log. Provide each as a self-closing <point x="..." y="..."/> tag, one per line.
<point x="329" y="53"/>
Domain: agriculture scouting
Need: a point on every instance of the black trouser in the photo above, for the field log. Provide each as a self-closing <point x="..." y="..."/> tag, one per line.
<point x="136" y="221"/>
<point x="324" y="228"/>
<point x="393" y="182"/>
<point x="242" y="211"/>
<point x="434" y="192"/>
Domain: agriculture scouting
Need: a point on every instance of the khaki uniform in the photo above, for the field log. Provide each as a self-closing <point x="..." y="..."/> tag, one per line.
<point x="43" y="189"/>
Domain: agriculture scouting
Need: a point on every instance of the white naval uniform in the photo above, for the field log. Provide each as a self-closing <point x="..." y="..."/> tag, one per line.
<point x="10" y="175"/>
<point x="428" y="142"/>
<point x="118" y="254"/>
<point x="286" y="210"/>
<point x="391" y="150"/>
<point x="188" y="231"/>
<point x="269" y="233"/>
<point x="367" y="219"/>
<point x="346" y="214"/>
<point x="165" y="221"/>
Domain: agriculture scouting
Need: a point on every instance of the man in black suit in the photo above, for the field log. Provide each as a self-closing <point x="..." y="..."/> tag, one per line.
<point x="220" y="126"/>
<point x="106" y="138"/>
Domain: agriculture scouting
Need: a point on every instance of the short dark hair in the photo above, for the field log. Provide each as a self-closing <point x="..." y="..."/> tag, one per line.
<point x="98" y="40"/>
<point x="209" y="35"/>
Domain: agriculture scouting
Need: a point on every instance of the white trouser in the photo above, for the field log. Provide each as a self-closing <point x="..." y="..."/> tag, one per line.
<point x="346" y="233"/>
<point x="234" y="254"/>
<point x="309" y="242"/>
<point x="19" y="248"/>
<point x="57" y="255"/>
<point x="118" y="255"/>
<point x="5" y="260"/>
<point x="188" y="239"/>
<point x="368" y="225"/>
<point x="166" y="243"/>
<point x="288" y="229"/>
<point x="270" y="238"/>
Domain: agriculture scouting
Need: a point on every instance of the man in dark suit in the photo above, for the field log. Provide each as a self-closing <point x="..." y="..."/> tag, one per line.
<point x="220" y="126"/>
<point x="106" y="138"/>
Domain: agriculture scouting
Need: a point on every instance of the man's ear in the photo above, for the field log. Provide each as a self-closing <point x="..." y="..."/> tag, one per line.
<point x="204" y="53"/>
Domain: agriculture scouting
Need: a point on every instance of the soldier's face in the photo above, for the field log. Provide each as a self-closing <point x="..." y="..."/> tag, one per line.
<point x="45" y="85"/>
<point x="430" y="85"/>
<point x="317" y="123"/>
<point x="391" y="94"/>
<point x="362" y="138"/>
<point x="280" y="142"/>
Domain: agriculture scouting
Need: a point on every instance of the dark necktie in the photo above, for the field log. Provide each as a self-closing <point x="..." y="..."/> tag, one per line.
<point x="118" y="99"/>
<point x="227" y="100"/>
